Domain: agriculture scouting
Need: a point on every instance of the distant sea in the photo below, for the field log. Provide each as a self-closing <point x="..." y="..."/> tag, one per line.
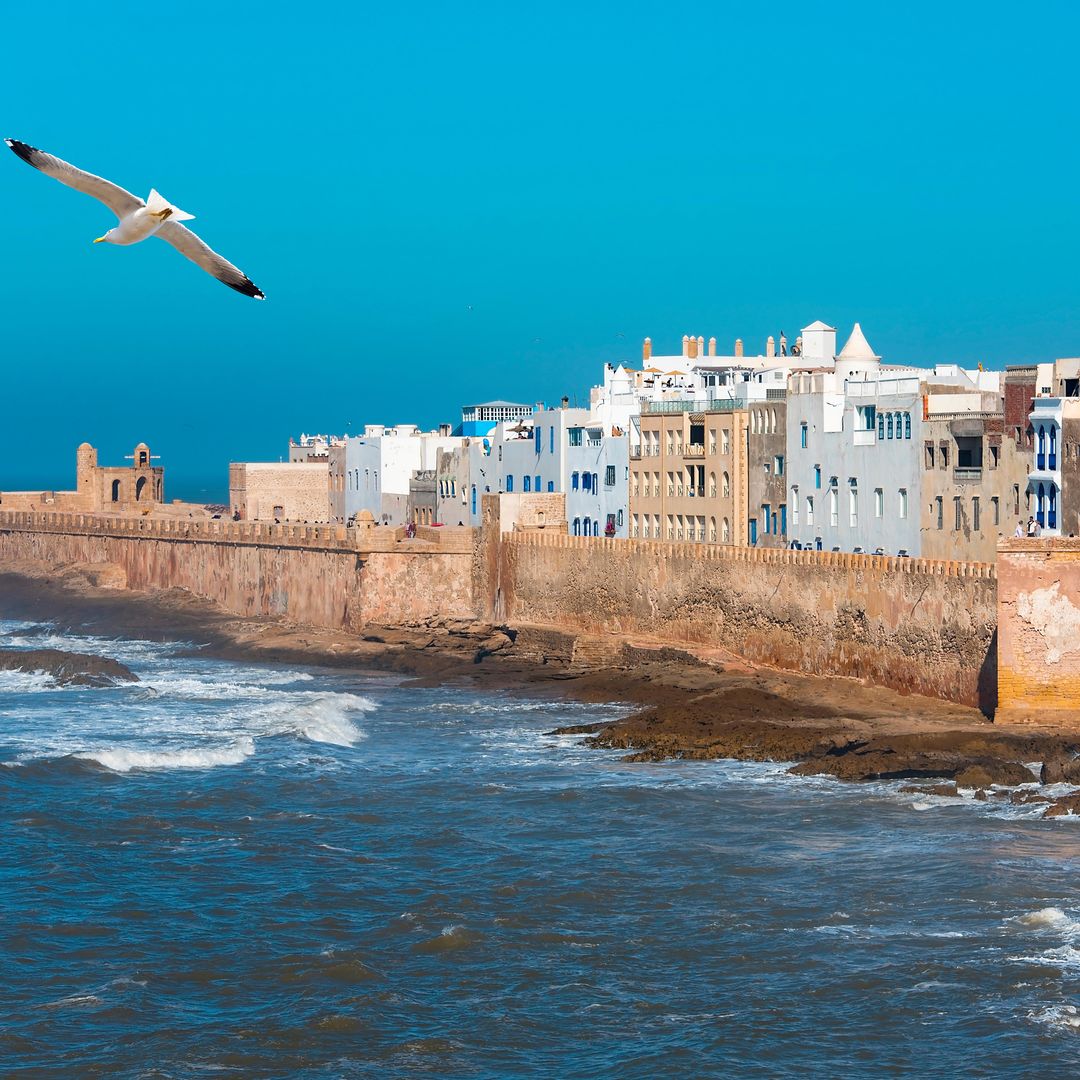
<point x="227" y="870"/>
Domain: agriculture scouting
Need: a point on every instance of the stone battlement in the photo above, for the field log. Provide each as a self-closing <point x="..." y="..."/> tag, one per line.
<point x="358" y="539"/>
<point x="764" y="556"/>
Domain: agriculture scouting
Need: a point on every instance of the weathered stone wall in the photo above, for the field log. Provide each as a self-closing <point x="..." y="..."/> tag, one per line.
<point x="1039" y="630"/>
<point x="912" y="624"/>
<point x="285" y="491"/>
<point x="328" y="576"/>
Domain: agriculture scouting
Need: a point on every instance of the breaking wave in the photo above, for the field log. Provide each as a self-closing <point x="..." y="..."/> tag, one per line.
<point x="123" y="761"/>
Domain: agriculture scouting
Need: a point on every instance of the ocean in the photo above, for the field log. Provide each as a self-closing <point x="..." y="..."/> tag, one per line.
<point x="232" y="870"/>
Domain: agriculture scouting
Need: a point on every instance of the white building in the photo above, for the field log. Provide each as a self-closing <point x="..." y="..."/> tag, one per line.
<point x="372" y="471"/>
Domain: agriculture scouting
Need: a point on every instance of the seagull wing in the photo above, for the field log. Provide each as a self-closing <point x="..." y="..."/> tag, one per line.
<point x="119" y="201"/>
<point x="191" y="247"/>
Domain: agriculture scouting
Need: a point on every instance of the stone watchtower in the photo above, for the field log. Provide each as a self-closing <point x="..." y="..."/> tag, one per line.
<point x="86" y="477"/>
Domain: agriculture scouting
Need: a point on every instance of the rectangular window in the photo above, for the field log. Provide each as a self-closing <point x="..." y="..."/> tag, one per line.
<point x="958" y="513"/>
<point x="944" y="455"/>
<point x="766" y="517"/>
<point x="834" y="512"/>
<point x="903" y="502"/>
<point x="995" y="506"/>
<point x="609" y="476"/>
<point x="778" y="465"/>
<point x="853" y="507"/>
<point x="725" y="442"/>
<point x="551" y="440"/>
<point x="975" y="512"/>
<point x="817" y="476"/>
<point x="538" y="487"/>
<point x="574" y="434"/>
<point x="526" y="484"/>
<point x="1016" y="500"/>
<point x="509" y="483"/>
<point x="809" y="509"/>
<point x="929" y="463"/>
<point x="794" y="506"/>
<point x="879" y="503"/>
<point x="537" y="434"/>
<point x="995" y="453"/>
<point x="802" y="437"/>
<point x="586" y="482"/>
<point x="574" y="482"/>
<point x="940" y="504"/>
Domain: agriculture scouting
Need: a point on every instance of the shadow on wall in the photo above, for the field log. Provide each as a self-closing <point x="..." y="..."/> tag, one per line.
<point x="987" y="686"/>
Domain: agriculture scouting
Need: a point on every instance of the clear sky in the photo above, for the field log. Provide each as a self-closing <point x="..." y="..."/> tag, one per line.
<point x="451" y="203"/>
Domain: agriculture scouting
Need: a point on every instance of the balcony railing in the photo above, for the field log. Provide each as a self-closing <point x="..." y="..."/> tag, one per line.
<point x="775" y="394"/>
<point x="689" y="405"/>
<point x="967" y="474"/>
<point x="694" y="450"/>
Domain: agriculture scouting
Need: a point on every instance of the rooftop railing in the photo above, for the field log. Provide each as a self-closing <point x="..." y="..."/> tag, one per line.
<point x="690" y="405"/>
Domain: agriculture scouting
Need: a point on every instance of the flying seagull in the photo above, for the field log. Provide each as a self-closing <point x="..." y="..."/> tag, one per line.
<point x="138" y="219"/>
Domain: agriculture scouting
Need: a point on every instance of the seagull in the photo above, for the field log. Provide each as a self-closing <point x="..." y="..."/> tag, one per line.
<point x="138" y="219"/>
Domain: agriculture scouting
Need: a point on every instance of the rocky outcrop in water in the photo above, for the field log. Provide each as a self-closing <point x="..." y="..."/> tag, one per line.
<point x="68" y="668"/>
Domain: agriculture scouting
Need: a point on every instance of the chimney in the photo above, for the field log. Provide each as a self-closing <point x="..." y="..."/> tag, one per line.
<point x="712" y="346"/>
<point x="770" y="346"/>
<point x="685" y="345"/>
<point x="646" y="349"/>
<point x="738" y="346"/>
<point x="701" y="346"/>
<point x="692" y="347"/>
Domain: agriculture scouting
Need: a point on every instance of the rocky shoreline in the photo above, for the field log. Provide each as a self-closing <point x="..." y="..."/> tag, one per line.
<point x="692" y="705"/>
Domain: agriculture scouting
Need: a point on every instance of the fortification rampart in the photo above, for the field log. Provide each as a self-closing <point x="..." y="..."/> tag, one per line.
<point x="915" y="625"/>
<point x="325" y="575"/>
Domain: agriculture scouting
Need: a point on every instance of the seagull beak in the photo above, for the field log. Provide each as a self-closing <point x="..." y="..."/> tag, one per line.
<point x="100" y="240"/>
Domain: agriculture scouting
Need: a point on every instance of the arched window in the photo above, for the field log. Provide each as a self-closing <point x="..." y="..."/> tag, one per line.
<point x="1042" y="439"/>
<point x="574" y="482"/>
<point x="596" y="527"/>
<point x="1040" y="498"/>
<point x="1053" y="446"/>
<point x="881" y="425"/>
<point x="725" y="531"/>
<point x="725" y="486"/>
<point x="116" y="491"/>
<point x="577" y="526"/>
<point x="140" y="485"/>
<point x="712" y="485"/>
<point x="595" y="483"/>
<point x="907" y="425"/>
<point x="1051" y="514"/>
<point x="889" y="425"/>
<point x="588" y="527"/>
<point x="712" y="530"/>
<point x="526" y="484"/>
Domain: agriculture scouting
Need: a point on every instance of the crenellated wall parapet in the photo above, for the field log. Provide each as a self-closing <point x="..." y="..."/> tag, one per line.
<point x="352" y="539"/>
<point x="761" y="556"/>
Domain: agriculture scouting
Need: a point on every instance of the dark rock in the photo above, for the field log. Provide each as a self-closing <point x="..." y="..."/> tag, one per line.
<point x="980" y="795"/>
<point x="1067" y="804"/>
<point x="1060" y="770"/>
<point x="68" y="668"/>
<point x="989" y="771"/>
<point x="947" y="790"/>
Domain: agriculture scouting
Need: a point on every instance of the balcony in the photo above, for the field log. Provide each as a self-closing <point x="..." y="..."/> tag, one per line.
<point x="694" y="450"/>
<point x="967" y="474"/>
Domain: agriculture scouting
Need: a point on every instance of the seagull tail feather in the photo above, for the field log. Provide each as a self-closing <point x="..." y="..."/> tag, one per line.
<point x="156" y="204"/>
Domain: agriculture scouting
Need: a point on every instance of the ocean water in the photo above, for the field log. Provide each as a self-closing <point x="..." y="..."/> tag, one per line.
<point x="229" y="870"/>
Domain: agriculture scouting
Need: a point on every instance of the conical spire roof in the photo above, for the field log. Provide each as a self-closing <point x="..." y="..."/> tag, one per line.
<point x="857" y="347"/>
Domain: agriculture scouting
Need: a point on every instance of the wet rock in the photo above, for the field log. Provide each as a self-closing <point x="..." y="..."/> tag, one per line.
<point x="68" y="668"/>
<point x="1065" y="805"/>
<point x="496" y="642"/>
<point x="980" y="795"/>
<point x="945" y="790"/>
<point x="1060" y="770"/>
<point x="990" y="771"/>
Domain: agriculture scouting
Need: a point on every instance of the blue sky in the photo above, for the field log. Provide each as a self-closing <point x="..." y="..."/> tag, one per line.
<point x="455" y="203"/>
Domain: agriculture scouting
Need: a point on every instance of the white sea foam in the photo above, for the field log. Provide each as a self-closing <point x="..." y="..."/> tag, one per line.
<point x="1047" y="916"/>
<point x="123" y="760"/>
<point x="1066" y="1017"/>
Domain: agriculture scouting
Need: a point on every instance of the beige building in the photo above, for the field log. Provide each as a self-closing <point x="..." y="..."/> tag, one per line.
<point x="138" y="487"/>
<point x="283" y="491"/>
<point x="688" y="473"/>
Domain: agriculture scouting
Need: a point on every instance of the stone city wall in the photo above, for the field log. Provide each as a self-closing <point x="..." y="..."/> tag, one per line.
<point x="912" y="624"/>
<point x="323" y="575"/>
<point x="287" y="491"/>
<point x="1039" y="630"/>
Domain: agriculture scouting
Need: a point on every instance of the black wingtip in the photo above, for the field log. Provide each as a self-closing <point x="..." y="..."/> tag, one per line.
<point x="25" y="151"/>
<point x="248" y="288"/>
